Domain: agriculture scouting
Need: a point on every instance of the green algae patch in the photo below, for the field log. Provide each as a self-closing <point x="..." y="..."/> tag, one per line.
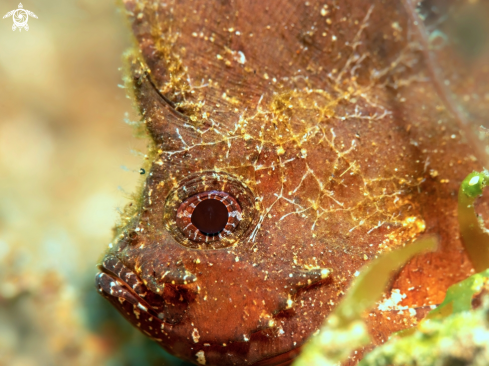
<point x="451" y="334"/>
<point x="459" y="296"/>
<point x="460" y="339"/>
<point x="457" y="300"/>
<point x="475" y="236"/>
<point x="344" y="330"/>
<point x="474" y="183"/>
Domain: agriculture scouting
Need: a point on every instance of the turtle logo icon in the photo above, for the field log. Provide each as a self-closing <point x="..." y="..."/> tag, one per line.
<point x="20" y="17"/>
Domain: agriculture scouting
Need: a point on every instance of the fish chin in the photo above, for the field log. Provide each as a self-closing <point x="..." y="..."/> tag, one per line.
<point x="164" y="322"/>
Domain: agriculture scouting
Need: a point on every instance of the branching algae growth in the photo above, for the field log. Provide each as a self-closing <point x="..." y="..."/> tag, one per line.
<point x="292" y="142"/>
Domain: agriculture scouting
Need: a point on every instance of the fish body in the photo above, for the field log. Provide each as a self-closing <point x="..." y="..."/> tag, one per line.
<point x="313" y="124"/>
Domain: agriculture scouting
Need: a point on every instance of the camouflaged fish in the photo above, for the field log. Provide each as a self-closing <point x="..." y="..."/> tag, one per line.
<point x="292" y="142"/>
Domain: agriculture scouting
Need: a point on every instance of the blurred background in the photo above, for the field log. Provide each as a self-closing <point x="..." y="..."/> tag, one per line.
<point x="68" y="162"/>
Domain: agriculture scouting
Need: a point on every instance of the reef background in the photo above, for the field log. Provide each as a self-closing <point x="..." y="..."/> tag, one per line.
<point x="63" y="149"/>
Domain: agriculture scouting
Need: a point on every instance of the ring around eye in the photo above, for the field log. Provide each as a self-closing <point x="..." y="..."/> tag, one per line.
<point x="211" y="210"/>
<point x="208" y="216"/>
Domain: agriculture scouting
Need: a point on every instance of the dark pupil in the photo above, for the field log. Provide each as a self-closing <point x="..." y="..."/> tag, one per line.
<point x="210" y="216"/>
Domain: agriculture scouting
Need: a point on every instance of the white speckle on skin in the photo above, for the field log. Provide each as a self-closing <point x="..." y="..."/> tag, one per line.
<point x="195" y="335"/>
<point x="241" y="59"/>
<point x="235" y="214"/>
<point x="392" y="303"/>
<point x="325" y="273"/>
<point x="200" y="357"/>
<point x="142" y="307"/>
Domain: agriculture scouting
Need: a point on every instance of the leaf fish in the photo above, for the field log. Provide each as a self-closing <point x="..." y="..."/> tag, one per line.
<point x="291" y="143"/>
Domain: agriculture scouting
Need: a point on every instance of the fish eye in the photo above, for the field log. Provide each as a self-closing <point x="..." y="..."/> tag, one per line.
<point x="210" y="210"/>
<point x="208" y="216"/>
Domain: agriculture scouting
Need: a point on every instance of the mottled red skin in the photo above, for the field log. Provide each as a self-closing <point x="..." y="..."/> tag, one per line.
<point x="256" y="298"/>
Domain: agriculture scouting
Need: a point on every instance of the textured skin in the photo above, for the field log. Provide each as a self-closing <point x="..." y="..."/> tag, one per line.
<point x="324" y="121"/>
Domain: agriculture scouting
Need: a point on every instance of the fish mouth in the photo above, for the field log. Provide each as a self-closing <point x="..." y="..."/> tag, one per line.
<point x="284" y="359"/>
<point x="126" y="296"/>
<point x="115" y="289"/>
<point x="131" y="297"/>
<point x="158" y="316"/>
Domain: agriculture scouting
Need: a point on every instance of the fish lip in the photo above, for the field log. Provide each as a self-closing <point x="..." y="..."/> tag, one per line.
<point x="132" y="296"/>
<point x="113" y="266"/>
<point x="283" y="359"/>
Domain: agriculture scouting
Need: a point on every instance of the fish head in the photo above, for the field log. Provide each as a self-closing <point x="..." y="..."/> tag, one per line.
<point x="278" y="167"/>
